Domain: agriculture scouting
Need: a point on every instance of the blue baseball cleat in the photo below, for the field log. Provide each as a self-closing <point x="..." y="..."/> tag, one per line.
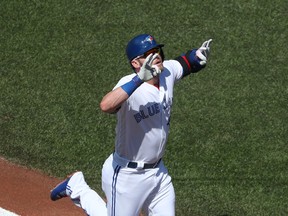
<point x="59" y="191"/>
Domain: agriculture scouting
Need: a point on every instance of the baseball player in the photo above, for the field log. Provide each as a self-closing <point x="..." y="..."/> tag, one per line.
<point x="134" y="176"/>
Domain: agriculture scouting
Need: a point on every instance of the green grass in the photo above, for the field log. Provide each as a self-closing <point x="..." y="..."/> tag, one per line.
<point x="227" y="151"/>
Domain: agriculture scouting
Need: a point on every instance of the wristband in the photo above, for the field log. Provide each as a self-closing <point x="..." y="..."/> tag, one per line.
<point x="190" y="62"/>
<point x="132" y="85"/>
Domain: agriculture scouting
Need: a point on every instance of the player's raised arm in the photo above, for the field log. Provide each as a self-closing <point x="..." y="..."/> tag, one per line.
<point x="196" y="59"/>
<point x="112" y="101"/>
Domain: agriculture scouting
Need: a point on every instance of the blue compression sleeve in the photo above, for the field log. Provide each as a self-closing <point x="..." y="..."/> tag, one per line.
<point x="132" y="85"/>
<point x="190" y="62"/>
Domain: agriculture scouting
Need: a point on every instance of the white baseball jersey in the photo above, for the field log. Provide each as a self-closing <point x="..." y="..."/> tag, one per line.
<point x="145" y="116"/>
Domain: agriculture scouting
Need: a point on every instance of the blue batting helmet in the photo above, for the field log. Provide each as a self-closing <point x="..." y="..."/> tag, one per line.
<point x="141" y="44"/>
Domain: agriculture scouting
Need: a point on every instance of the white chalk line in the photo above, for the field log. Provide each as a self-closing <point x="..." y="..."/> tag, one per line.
<point x="4" y="212"/>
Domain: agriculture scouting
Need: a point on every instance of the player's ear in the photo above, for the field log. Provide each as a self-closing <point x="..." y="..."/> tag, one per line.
<point x="135" y="63"/>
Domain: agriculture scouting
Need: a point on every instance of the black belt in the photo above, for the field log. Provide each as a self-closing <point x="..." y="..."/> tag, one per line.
<point x="134" y="165"/>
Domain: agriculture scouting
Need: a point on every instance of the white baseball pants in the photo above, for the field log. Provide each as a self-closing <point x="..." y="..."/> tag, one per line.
<point x="129" y="190"/>
<point x="84" y="197"/>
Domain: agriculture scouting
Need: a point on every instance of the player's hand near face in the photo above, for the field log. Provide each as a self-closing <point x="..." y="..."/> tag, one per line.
<point x="148" y="70"/>
<point x="114" y="99"/>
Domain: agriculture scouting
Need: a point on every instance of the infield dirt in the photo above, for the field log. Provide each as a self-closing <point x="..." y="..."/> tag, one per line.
<point x="27" y="193"/>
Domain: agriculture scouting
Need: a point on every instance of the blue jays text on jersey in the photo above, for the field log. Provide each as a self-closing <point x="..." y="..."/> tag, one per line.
<point x="154" y="109"/>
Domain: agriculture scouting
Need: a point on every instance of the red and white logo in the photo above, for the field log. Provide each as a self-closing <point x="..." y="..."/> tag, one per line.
<point x="149" y="39"/>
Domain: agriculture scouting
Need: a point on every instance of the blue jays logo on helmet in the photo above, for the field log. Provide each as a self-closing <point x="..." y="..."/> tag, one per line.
<point x="140" y="44"/>
<point x="149" y="39"/>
